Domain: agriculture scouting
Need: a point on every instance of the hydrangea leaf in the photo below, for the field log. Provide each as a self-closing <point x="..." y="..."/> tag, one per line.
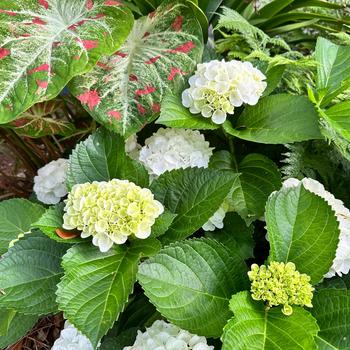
<point x="18" y="326"/>
<point x="45" y="43"/>
<point x="124" y="91"/>
<point x="277" y="119"/>
<point x="236" y="236"/>
<point x="96" y="286"/>
<point x="194" y="194"/>
<point x="29" y="272"/>
<point x="255" y="327"/>
<point x="16" y="217"/>
<point x="174" y="115"/>
<point x="338" y="118"/>
<point x="302" y="228"/>
<point x="191" y="282"/>
<point x="259" y="177"/>
<point x="52" y="220"/>
<point x="38" y="121"/>
<point x="101" y="157"/>
<point x="332" y="66"/>
<point x="331" y="308"/>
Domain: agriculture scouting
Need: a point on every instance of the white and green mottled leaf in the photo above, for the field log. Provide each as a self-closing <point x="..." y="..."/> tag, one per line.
<point x="159" y="55"/>
<point x="16" y="217"/>
<point x="29" y="272"/>
<point x="191" y="283"/>
<point x="45" y="43"/>
<point x="256" y="327"/>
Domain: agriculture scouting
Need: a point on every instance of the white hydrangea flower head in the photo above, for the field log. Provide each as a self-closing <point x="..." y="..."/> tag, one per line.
<point x="217" y="87"/>
<point x="341" y="263"/>
<point x="165" y="336"/>
<point x="132" y="148"/>
<point x="50" y="183"/>
<point x="71" y="339"/>
<point x="170" y="149"/>
<point x="111" y="211"/>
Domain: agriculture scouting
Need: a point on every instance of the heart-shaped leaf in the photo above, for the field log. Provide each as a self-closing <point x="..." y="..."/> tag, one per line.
<point x="45" y="43"/>
<point x="124" y="91"/>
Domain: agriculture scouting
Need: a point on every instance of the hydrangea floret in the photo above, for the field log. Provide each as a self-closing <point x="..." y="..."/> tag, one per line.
<point x="111" y="212"/>
<point x="341" y="262"/>
<point x="50" y="183"/>
<point x="217" y="87"/>
<point x="170" y="149"/>
<point x="165" y="336"/>
<point x="280" y="284"/>
<point x="71" y="339"/>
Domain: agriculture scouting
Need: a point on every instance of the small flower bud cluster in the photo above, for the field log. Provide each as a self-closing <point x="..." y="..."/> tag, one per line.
<point x="50" y="183"/>
<point x="111" y="211"/>
<point x="165" y="336"/>
<point x="217" y="87"/>
<point x="280" y="284"/>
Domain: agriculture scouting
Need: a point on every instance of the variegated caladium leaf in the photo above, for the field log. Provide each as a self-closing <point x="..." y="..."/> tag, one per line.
<point x="45" y="43"/>
<point x="124" y="91"/>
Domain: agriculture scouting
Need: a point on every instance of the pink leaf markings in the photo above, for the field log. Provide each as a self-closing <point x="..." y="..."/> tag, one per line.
<point x="91" y="98"/>
<point x="4" y="52"/>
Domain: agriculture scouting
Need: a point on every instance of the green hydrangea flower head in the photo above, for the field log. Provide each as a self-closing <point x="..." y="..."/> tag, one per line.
<point x="111" y="211"/>
<point x="280" y="284"/>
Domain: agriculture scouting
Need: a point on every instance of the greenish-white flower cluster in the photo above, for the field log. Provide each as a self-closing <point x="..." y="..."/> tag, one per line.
<point x="165" y="336"/>
<point x="217" y="87"/>
<point x="280" y="284"/>
<point x="111" y="211"/>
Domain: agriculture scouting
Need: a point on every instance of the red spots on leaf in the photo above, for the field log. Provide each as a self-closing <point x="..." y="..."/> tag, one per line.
<point x="89" y="4"/>
<point x="156" y="107"/>
<point x="10" y="13"/>
<point x="90" y="44"/>
<point x="78" y="24"/>
<point x="146" y="34"/>
<point x="42" y="84"/>
<point x="115" y="115"/>
<point x="25" y="35"/>
<point x="120" y="54"/>
<point x="177" y="24"/>
<point x="112" y="3"/>
<point x="174" y="71"/>
<point x="98" y="16"/>
<point x="44" y="3"/>
<point x="4" y="52"/>
<point x="146" y="91"/>
<point x="65" y="235"/>
<point x="133" y="77"/>
<point x="90" y="98"/>
<point x="38" y="21"/>
<point x="140" y="108"/>
<point x="76" y="57"/>
<point x="152" y="14"/>
<point x="184" y="48"/>
<point x="103" y="66"/>
<point x="19" y="122"/>
<point x="42" y="68"/>
<point x="56" y="43"/>
<point x="153" y="60"/>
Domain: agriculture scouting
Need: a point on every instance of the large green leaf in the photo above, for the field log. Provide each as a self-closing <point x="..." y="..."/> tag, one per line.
<point x="236" y="236"/>
<point x="191" y="282"/>
<point x="45" y="43"/>
<point x="101" y="157"/>
<point x="259" y="177"/>
<point x="174" y="115"/>
<point x="331" y="308"/>
<point x="333" y="64"/>
<point x="256" y="327"/>
<point x="124" y="91"/>
<point x="302" y="228"/>
<point x="277" y="119"/>
<point x="16" y="217"/>
<point x="96" y="286"/>
<point x="194" y="194"/>
<point x="18" y="325"/>
<point x="29" y="272"/>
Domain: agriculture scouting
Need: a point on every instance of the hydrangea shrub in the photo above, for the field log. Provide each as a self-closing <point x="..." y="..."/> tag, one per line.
<point x="199" y="199"/>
